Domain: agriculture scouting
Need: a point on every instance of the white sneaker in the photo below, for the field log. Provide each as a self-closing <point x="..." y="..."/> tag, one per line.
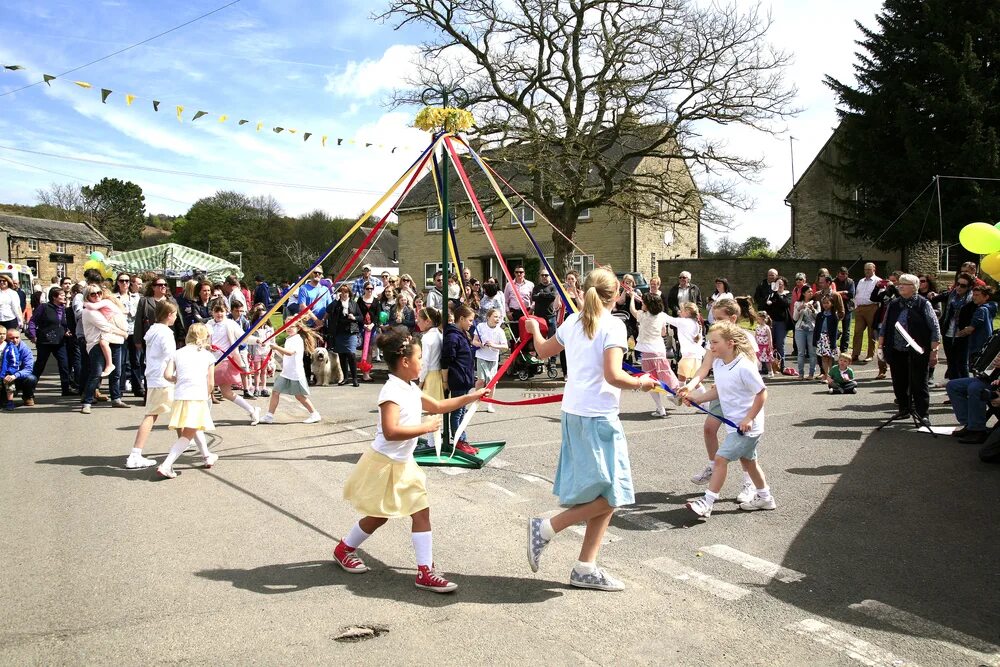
<point x="268" y="418"/>
<point x="254" y="416"/>
<point x="659" y="412"/>
<point x="210" y="459"/>
<point x="747" y="493"/>
<point x="490" y="408"/>
<point x="85" y="409"/>
<point x="702" y="477"/>
<point x="167" y="473"/>
<point x="701" y="507"/>
<point x="759" y="503"/>
<point x="312" y="419"/>
<point x="136" y="461"/>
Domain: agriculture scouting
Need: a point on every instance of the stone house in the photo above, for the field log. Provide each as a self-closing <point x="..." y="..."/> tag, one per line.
<point x="607" y="235"/>
<point x="49" y="247"/>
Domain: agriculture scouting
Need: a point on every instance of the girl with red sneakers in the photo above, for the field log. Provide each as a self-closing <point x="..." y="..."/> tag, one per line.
<point x="458" y="366"/>
<point x="387" y="483"/>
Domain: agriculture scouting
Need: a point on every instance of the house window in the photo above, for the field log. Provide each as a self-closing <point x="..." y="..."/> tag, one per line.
<point x="61" y="270"/>
<point x="525" y="214"/>
<point x="89" y="250"/>
<point x="430" y="268"/>
<point x="583" y="264"/>
<point x="33" y="245"/>
<point x="434" y="219"/>
<point x="477" y="223"/>
<point x="60" y="247"/>
<point x="582" y="215"/>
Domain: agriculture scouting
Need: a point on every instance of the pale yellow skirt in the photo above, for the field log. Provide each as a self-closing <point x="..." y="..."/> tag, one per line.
<point x="192" y="414"/>
<point x="159" y="400"/>
<point x="382" y="487"/>
<point x="434" y="385"/>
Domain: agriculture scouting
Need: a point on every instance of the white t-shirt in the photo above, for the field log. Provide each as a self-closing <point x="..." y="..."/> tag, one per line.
<point x="651" y="334"/>
<point x="191" y="364"/>
<point x="10" y="305"/>
<point x="224" y="334"/>
<point x="160" y="346"/>
<point x="493" y="335"/>
<point x="430" y="344"/>
<point x="687" y="331"/>
<point x="738" y="383"/>
<point x="293" y="366"/>
<point x="587" y="394"/>
<point x="711" y="302"/>
<point x="236" y="296"/>
<point x="407" y="396"/>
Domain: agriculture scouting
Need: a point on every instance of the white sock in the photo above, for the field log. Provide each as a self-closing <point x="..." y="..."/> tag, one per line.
<point x="711" y="497"/>
<point x="179" y="446"/>
<point x="355" y="537"/>
<point x="585" y="568"/>
<point x="764" y="493"/>
<point x="200" y="441"/>
<point x="546" y="530"/>
<point x="242" y="402"/>
<point x="711" y="464"/>
<point x="658" y="399"/>
<point x="423" y="546"/>
<point x="746" y="478"/>
<point x="135" y="452"/>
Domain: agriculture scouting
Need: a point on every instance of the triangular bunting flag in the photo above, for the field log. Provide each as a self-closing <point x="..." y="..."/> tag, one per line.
<point x="13" y="68"/>
<point x="105" y="93"/>
<point x="156" y="105"/>
<point x="394" y="149"/>
<point x="340" y="141"/>
<point x="83" y="84"/>
<point x="324" y="140"/>
<point x="223" y="118"/>
<point x="292" y="130"/>
<point x="199" y="114"/>
<point x="279" y="130"/>
<point x="243" y="121"/>
<point x="259" y="125"/>
<point x="366" y="145"/>
<point x="180" y="111"/>
<point x="305" y="137"/>
<point x="129" y="99"/>
<point x="47" y="78"/>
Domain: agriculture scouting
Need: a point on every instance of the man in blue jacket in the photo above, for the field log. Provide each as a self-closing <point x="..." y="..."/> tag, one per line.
<point x="16" y="362"/>
<point x="262" y="293"/>
<point x="980" y="328"/>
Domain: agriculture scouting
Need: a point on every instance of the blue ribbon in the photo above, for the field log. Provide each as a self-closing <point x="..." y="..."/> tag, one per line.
<point x="637" y="371"/>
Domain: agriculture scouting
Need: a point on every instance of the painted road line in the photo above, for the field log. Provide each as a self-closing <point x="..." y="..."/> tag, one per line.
<point x="754" y="564"/>
<point x="534" y="479"/>
<point x="454" y="471"/>
<point x="507" y="492"/>
<point x="609" y="537"/>
<point x="498" y="462"/>
<point x="983" y="652"/>
<point x="848" y="645"/>
<point x="696" y="579"/>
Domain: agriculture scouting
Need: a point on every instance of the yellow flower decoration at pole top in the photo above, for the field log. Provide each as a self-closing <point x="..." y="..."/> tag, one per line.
<point x="449" y="119"/>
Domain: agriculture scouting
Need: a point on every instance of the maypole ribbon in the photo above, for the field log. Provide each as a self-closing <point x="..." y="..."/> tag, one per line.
<point x="636" y="371"/>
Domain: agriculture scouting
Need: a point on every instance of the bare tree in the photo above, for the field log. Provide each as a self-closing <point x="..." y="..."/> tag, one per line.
<point x="64" y="201"/>
<point x="576" y="93"/>
<point x="298" y="254"/>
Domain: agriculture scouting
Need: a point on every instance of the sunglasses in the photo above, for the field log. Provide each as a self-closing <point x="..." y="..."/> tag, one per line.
<point x="159" y="284"/>
<point x="369" y="289"/>
<point x="963" y="285"/>
<point x="923" y="280"/>
<point x="123" y="280"/>
<point x="519" y="273"/>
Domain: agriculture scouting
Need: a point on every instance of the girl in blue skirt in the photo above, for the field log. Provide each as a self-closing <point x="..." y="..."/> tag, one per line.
<point x="593" y="476"/>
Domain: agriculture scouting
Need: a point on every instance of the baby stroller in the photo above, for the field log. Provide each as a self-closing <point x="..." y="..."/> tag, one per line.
<point x="526" y="365"/>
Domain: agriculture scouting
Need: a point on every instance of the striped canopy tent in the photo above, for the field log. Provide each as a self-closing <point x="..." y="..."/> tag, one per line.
<point x="174" y="261"/>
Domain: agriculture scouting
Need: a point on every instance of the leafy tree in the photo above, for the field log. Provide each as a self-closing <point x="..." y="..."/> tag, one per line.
<point x="756" y="247"/>
<point x="117" y="209"/>
<point x="926" y="102"/>
<point x="574" y="93"/>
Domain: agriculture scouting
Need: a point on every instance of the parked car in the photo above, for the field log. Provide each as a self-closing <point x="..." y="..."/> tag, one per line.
<point x="640" y="282"/>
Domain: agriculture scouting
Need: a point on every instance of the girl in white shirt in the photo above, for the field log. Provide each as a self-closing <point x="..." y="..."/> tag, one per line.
<point x="430" y="378"/>
<point x="224" y="332"/>
<point x="688" y="327"/>
<point x="191" y="370"/>
<point x="742" y="394"/>
<point x="652" y="329"/>
<point x="260" y="354"/>
<point x="594" y="475"/>
<point x="292" y="379"/>
<point x="387" y="483"/>
<point x="489" y="341"/>
<point x="721" y="292"/>
<point x="160" y="346"/>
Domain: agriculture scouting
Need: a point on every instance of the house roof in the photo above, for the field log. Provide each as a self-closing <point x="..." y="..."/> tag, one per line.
<point x="51" y="230"/>
<point x="423" y="193"/>
<point x="815" y="161"/>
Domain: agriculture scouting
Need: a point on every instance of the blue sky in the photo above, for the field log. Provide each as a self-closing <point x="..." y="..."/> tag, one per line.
<point x="325" y="68"/>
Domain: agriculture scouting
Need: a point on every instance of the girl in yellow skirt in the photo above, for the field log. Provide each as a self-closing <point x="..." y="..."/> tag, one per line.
<point x="386" y="482"/>
<point x="191" y="369"/>
<point x="431" y="381"/>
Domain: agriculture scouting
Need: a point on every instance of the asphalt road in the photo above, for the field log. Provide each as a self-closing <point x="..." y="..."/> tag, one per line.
<point x="884" y="549"/>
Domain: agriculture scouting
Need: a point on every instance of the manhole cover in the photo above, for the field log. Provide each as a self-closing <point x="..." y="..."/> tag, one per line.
<point x="359" y="633"/>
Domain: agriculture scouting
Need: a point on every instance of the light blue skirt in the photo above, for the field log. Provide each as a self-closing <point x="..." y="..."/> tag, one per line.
<point x="593" y="461"/>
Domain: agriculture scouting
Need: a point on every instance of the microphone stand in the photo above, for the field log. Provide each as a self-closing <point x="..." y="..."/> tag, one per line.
<point x="919" y="422"/>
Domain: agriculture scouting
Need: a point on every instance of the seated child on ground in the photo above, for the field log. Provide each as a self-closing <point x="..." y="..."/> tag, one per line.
<point x="841" y="377"/>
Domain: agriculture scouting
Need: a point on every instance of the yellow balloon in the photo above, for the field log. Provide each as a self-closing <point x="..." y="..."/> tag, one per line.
<point x="93" y="264"/>
<point x="980" y="237"/>
<point x="107" y="273"/>
<point x="991" y="264"/>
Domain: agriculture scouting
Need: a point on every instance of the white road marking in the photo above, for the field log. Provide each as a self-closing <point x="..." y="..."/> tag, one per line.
<point x="507" y="492"/>
<point x="983" y="652"/>
<point x="754" y="564"/>
<point x="454" y="471"/>
<point x="358" y="431"/>
<point x="848" y="645"/>
<point x="534" y="479"/>
<point x="696" y="579"/>
<point x="498" y="462"/>
<point x="609" y="537"/>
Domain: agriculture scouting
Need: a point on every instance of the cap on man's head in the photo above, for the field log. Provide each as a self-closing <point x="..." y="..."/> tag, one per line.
<point x="366" y="267"/>
<point x="259" y="278"/>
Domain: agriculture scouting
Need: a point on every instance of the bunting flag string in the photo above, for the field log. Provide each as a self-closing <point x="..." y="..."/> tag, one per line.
<point x="106" y="93"/>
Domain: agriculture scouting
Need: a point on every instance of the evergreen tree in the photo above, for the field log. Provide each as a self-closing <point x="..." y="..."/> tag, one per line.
<point x="926" y="103"/>
<point x="118" y="210"/>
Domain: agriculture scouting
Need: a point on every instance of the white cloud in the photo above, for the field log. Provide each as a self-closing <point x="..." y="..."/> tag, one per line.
<point x="369" y="77"/>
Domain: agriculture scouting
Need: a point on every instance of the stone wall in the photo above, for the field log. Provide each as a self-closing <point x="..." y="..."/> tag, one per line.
<point x="745" y="274"/>
<point x="40" y="253"/>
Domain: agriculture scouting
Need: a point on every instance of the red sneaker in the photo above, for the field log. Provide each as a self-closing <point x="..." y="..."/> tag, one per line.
<point x="429" y="580"/>
<point x="348" y="560"/>
<point x="464" y="447"/>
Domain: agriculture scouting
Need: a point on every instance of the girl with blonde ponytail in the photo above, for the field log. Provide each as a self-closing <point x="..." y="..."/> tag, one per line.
<point x="593" y="476"/>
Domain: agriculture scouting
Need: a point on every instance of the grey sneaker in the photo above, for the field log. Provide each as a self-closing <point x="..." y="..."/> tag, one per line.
<point x="701" y="507"/>
<point x="759" y="503"/>
<point x="536" y="543"/>
<point x="598" y="579"/>
<point x="747" y="493"/>
<point x="702" y="477"/>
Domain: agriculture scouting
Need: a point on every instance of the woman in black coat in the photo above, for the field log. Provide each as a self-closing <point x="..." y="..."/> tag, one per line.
<point x="50" y="331"/>
<point x="341" y="331"/>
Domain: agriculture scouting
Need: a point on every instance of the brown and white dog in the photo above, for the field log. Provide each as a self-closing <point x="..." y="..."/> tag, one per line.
<point x="326" y="367"/>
